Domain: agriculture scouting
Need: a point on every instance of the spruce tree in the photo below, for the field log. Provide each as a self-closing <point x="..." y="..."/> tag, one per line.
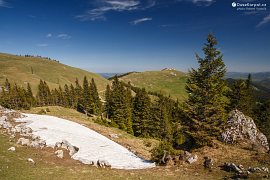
<point x="54" y="97"/>
<point x="84" y="101"/>
<point x="41" y="93"/>
<point x="128" y="110"/>
<point x="78" y="93"/>
<point x="117" y="102"/>
<point x="44" y="94"/>
<point x="47" y="94"/>
<point x="14" y="96"/>
<point x="29" y="96"/>
<point x="60" y="96"/>
<point x="95" y="104"/>
<point x="24" y="103"/>
<point x="160" y="124"/>
<point x="108" y="108"/>
<point x="66" y="96"/>
<point x="72" y="96"/>
<point x="206" y="89"/>
<point x="141" y="113"/>
<point x="241" y="96"/>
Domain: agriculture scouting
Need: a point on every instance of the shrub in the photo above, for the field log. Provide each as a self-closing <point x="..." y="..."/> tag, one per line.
<point x="179" y="138"/>
<point x="98" y="121"/>
<point x="158" y="152"/>
<point x="101" y="121"/>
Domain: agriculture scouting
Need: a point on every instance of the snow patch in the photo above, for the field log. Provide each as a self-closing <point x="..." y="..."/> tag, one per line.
<point x="92" y="145"/>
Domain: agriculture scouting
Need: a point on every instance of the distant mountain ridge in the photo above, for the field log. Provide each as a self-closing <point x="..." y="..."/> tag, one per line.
<point x="259" y="76"/>
<point x="261" y="80"/>
<point x="109" y="75"/>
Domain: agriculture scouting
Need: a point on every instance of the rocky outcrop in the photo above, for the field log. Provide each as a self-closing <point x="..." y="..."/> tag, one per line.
<point x="240" y="128"/>
<point x="59" y="153"/>
<point x="12" y="149"/>
<point x="192" y="159"/>
<point x="24" y="134"/>
<point x="243" y="173"/>
<point x="208" y="162"/>
<point x="4" y="123"/>
<point x="114" y="136"/>
<point x="30" y="160"/>
<point x="103" y="164"/>
<point x="24" y="142"/>
<point x="66" y="145"/>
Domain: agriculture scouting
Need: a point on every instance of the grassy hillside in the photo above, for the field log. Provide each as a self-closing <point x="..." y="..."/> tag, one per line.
<point x="169" y="82"/>
<point x="14" y="165"/>
<point x="18" y="69"/>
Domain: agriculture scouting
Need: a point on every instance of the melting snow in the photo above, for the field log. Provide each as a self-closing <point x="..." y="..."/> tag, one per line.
<point x="92" y="145"/>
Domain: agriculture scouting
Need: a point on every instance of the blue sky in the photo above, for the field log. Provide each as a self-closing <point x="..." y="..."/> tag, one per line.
<point x="136" y="35"/>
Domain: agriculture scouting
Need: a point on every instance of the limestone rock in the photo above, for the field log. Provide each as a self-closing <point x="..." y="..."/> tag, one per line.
<point x="5" y="124"/>
<point x="42" y="143"/>
<point x="115" y="136"/>
<point x="13" y="130"/>
<point x="232" y="167"/>
<point x="18" y="129"/>
<point x="34" y="144"/>
<point x="192" y="159"/>
<point x="12" y="149"/>
<point x="3" y="118"/>
<point x="35" y="137"/>
<point x="23" y="142"/>
<point x="31" y="160"/>
<point x="66" y="145"/>
<point x="265" y="169"/>
<point x="103" y="163"/>
<point x="241" y="128"/>
<point x="59" y="153"/>
<point x="187" y="154"/>
<point x="58" y="145"/>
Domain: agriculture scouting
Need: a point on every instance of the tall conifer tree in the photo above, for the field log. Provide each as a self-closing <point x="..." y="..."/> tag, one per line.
<point x="108" y="108"/>
<point x="117" y="102"/>
<point x="206" y="102"/>
<point x="95" y="104"/>
<point x="141" y="113"/>
<point x="29" y="96"/>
